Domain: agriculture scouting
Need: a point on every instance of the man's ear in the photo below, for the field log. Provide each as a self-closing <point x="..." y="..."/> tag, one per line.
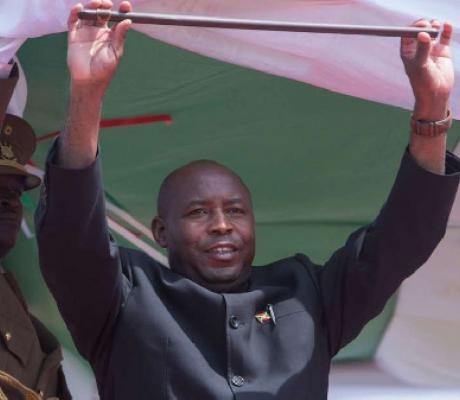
<point x="158" y="231"/>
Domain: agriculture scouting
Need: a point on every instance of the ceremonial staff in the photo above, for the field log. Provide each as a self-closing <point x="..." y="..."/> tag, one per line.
<point x="251" y="24"/>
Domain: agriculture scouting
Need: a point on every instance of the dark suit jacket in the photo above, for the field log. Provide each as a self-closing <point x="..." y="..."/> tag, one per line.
<point x="152" y="334"/>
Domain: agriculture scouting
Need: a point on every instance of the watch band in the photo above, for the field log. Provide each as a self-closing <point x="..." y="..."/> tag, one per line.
<point x="431" y="128"/>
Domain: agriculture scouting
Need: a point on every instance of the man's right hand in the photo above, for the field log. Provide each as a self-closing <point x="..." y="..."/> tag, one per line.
<point x="94" y="49"/>
<point x="93" y="53"/>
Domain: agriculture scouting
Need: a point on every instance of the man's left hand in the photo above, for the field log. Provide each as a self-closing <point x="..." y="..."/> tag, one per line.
<point x="428" y="65"/>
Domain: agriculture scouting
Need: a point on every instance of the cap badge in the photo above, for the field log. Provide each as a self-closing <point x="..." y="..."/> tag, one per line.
<point x="7" y="152"/>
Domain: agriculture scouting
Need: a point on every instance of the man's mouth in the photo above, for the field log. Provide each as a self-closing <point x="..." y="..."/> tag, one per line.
<point x="222" y="252"/>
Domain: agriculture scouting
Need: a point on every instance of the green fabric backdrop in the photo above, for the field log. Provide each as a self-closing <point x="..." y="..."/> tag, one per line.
<point x="319" y="164"/>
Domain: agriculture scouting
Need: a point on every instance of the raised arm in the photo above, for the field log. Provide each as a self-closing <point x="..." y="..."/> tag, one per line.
<point x="79" y="261"/>
<point x="94" y="51"/>
<point x="359" y="278"/>
<point x="428" y="65"/>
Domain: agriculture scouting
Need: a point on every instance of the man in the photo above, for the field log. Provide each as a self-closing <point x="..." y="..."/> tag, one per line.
<point x="212" y="327"/>
<point x="30" y="355"/>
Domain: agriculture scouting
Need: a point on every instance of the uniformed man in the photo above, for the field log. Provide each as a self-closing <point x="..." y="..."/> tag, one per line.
<point x="30" y="356"/>
<point x="213" y="327"/>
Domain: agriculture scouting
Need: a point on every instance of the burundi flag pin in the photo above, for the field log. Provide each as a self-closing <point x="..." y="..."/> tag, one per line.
<point x="264" y="317"/>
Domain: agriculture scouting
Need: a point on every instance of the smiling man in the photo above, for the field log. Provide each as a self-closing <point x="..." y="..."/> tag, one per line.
<point x="206" y="222"/>
<point x="213" y="327"/>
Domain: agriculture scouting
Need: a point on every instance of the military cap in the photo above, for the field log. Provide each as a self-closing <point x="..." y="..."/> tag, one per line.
<point x="17" y="144"/>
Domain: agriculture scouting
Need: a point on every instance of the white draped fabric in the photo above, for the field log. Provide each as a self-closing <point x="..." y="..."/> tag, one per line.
<point x="422" y="341"/>
<point x="366" y="67"/>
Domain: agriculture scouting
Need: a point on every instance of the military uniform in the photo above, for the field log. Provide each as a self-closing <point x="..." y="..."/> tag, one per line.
<point x="28" y="351"/>
<point x="152" y="334"/>
<point x="30" y="356"/>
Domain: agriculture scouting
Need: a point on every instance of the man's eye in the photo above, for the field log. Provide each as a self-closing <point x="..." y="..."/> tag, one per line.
<point x="198" y="212"/>
<point x="11" y="194"/>
<point x="9" y="203"/>
<point x="235" y="211"/>
<point x="16" y="194"/>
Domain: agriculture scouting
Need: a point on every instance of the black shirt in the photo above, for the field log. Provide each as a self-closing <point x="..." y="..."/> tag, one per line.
<point x="152" y="334"/>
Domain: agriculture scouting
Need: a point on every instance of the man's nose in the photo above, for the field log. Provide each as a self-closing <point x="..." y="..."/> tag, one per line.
<point x="220" y="223"/>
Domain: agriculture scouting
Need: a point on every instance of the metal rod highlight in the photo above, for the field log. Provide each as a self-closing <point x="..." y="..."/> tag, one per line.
<point x="262" y="25"/>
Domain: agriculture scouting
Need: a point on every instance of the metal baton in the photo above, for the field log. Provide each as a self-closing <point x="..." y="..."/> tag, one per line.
<point x="251" y="24"/>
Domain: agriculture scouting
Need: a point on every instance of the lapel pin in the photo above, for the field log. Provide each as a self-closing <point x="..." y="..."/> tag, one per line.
<point x="266" y="316"/>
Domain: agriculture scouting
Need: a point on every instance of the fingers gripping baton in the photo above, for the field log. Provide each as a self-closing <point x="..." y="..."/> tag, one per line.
<point x="251" y="24"/>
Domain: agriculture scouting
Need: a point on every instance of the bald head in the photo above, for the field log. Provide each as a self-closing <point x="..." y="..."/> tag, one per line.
<point x="188" y="176"/>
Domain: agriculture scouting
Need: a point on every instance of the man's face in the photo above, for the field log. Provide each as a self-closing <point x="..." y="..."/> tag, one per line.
<point x="11" y="188"/>
<point x="208" y="228"/>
